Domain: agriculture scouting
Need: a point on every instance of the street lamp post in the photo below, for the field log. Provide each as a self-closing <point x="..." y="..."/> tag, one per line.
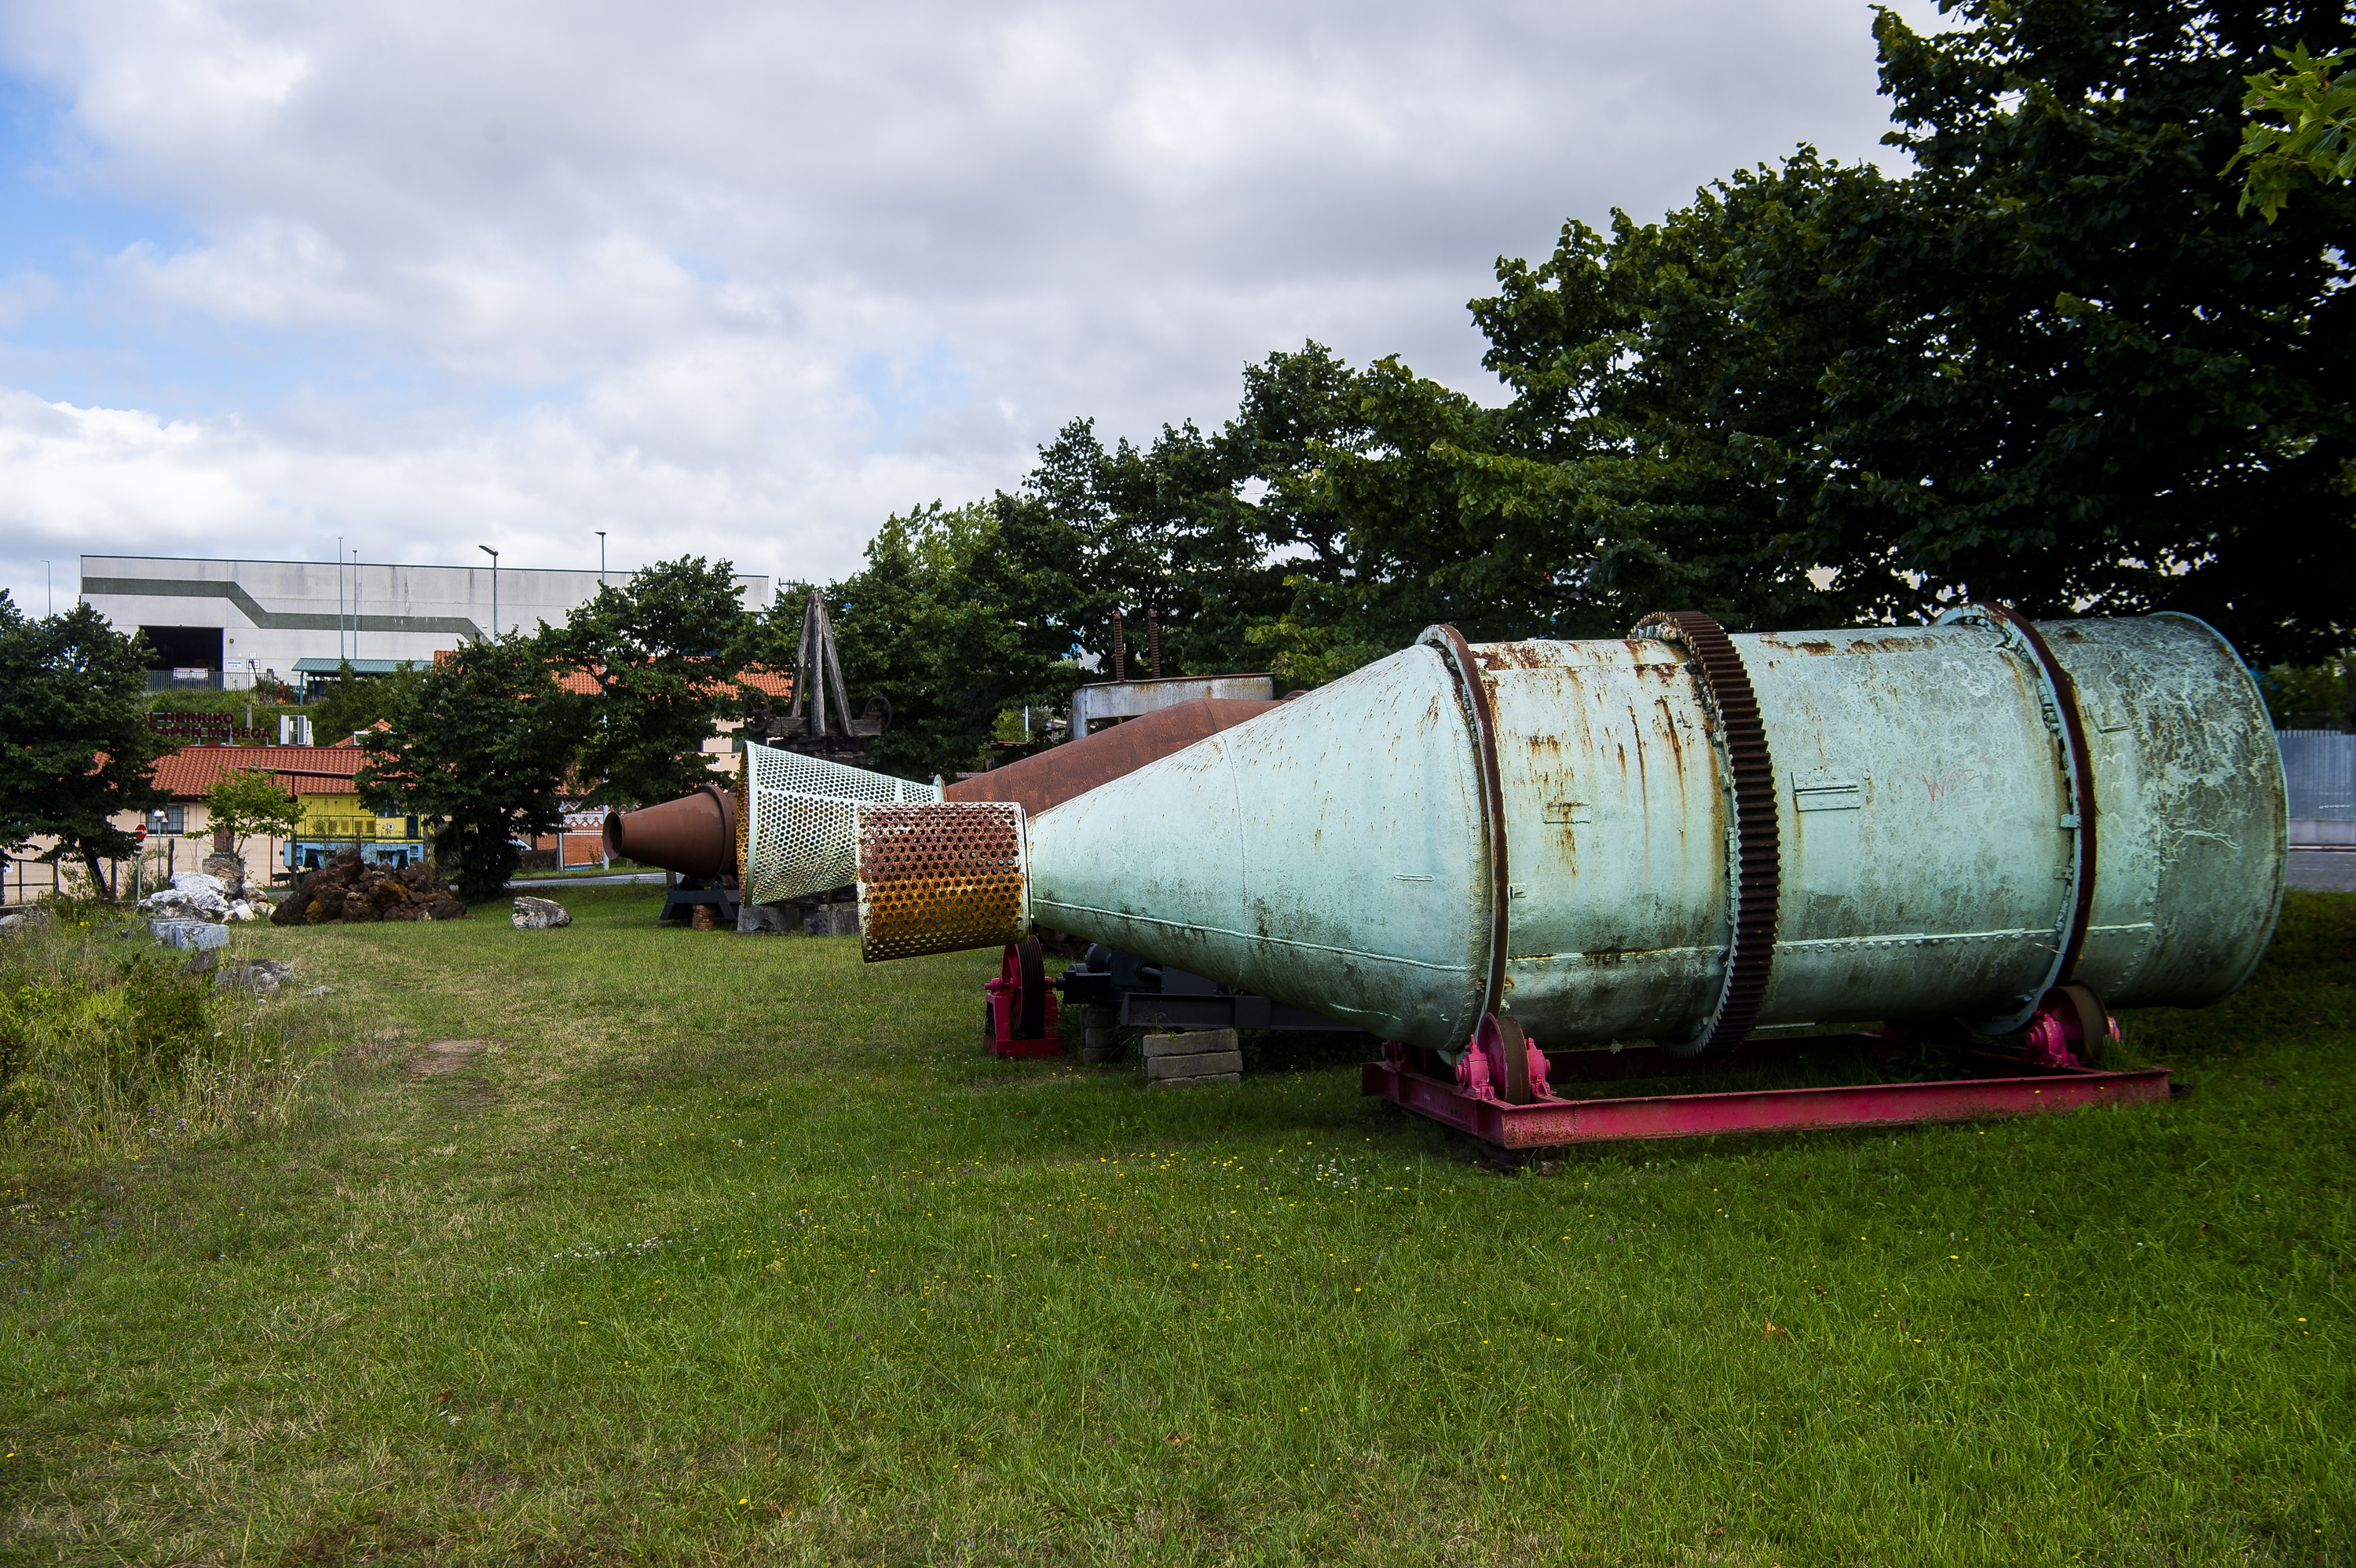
<point x="601" y="558"/>
<point x="495" y="586"/>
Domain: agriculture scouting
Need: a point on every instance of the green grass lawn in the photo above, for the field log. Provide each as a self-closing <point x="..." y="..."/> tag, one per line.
<point x="705" y="1249"/>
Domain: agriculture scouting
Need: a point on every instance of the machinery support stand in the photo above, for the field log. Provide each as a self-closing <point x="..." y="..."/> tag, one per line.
<point x="1467" y="1097"/>
<point x="1018" y="1009"/>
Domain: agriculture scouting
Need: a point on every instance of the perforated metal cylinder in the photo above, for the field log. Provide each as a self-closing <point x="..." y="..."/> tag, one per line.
<point x="800" y="821"/>
<point x="940" y="879"/>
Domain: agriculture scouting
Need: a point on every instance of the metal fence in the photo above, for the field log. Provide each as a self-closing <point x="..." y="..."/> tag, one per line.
<point x="2320" y="767"/>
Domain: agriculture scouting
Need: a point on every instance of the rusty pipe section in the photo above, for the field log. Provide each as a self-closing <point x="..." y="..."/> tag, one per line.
<point x="1575" y="856"/>
<point x="1058" y="773"/>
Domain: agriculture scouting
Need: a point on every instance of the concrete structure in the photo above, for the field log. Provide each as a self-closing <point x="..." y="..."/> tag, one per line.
<point x="233" y="620"/>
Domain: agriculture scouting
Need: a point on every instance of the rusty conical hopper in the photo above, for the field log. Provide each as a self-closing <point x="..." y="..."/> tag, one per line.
<point x="694" y="835"/>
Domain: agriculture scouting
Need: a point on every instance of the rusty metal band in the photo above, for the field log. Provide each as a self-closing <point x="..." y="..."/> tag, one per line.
<point x="744" y="810"/>
<point x="940" y="878"/>
<point x="1758" y="855"/>
<point x="1458" y="654"/>
<point x="2080" y="777"/>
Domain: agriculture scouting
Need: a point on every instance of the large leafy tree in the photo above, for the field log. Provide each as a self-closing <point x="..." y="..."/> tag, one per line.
<point x="481" y="746"/>
<point x="247" y="802"/>
<point x="661" y="656"/>
<point x="2051" y="365"/>
<point x="75" y="748"/>
<point x="1238" y="541"/>
<point x="960" y="613"/>
<point x="359" y="702"/>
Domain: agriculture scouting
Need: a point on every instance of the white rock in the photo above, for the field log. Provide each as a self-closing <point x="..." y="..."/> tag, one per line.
<point x="198" y="882"/>
<point x="186" y="903"/>
<point x="196" y="933"/>
<point x="539" y="914"/>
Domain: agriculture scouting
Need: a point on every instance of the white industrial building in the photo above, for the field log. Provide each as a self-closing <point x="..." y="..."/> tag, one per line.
<point x="222" y="623"/>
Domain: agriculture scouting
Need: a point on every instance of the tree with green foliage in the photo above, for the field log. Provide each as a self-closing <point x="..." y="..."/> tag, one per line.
<point x="2310" y="696"/>
<point x="355" y="702"/>
<point x="481" y="747"/>
<point x="2311" y="136"/>
<point x="75" y="748"/>
<point x="247" y="802"/>
<point x="663" y="656"/>
<point x="2049" y="367"/>
<point x="958" y="614"/>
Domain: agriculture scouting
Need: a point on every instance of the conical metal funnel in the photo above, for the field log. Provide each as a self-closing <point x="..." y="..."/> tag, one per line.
<point x="694" y="835"/>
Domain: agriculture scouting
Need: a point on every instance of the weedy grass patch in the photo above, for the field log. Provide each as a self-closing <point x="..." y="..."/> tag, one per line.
<point x="109" y="1044"/>
<point x="614" y="1244"/>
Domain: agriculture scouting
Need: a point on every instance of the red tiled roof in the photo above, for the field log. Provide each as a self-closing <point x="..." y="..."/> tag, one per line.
<point x="582" y="683"/>
<point x="190" y="773"/>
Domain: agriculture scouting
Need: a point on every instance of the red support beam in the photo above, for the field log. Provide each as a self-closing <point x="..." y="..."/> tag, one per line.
<point x="2024" y="1091"/>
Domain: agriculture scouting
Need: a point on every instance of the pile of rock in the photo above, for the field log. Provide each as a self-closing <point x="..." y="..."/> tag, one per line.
<point x="348" y="889"/>
<point x="264" y="978"/>
<point x="199" y="896"/>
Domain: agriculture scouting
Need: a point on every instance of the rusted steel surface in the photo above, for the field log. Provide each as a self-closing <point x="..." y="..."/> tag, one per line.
<point x="1327" y="854"/>
<point x="1474" y="692"/>
<point x="1618" y="815"/>
<point x="1756" y="861"/>
<point x="2058" y="707"/>
<point x="2063" y="693"/>
<point x="694" y="835"/>
<point x="2189" y="869"/>
<point x="939" y="879"/>
<point x="1055" y="776"/>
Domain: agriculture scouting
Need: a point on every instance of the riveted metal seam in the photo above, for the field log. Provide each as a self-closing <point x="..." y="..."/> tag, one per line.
<point x="1467" y="671"/>
<point x="2081" y="781"/>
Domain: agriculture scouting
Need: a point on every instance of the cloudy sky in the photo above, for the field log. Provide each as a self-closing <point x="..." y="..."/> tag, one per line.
<point x="741" y="279"/>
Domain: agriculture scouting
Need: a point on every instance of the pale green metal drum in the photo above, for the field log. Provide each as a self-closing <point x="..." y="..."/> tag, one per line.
<point x="1965" y="815"/>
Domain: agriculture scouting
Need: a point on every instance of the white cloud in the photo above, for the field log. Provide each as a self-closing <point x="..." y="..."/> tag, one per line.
<point x="742" y="278"/>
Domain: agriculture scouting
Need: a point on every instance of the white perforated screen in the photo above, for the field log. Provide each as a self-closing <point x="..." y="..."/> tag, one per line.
<point x="801" y="820"/>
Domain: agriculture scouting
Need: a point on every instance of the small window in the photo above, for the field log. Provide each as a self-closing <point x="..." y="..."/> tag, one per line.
<point x="168" y="819"/>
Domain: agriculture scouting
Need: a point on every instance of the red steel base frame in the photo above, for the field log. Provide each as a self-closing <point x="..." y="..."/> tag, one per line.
<point x="1002" y="1006"/>
<point x="1413" y="1078"/>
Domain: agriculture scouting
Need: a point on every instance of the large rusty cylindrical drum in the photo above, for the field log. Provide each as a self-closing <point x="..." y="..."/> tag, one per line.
<point x="1685" y="835"/>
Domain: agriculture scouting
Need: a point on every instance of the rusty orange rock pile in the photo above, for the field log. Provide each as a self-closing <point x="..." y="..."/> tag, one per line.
<point x="349" y="889"/>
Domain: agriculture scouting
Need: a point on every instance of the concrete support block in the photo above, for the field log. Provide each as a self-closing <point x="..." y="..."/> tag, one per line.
<point x="1194" y="1043"/>
<point x="1205" y="1081"/>
<point x="1207" y="1064"/>
<point x="833" y="920"/>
